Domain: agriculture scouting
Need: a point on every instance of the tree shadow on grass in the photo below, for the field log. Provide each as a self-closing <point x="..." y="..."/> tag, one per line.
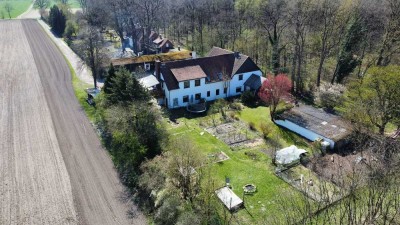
<point x="292" y="138"/>
<point x="175" y="114"/>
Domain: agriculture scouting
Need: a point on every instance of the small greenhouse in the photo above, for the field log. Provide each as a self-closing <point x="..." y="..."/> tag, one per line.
<point x="289" y="156"/>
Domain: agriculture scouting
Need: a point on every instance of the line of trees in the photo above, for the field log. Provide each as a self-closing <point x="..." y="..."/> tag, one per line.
<point x="132" y="130"/>
<point x="312" y="40"/>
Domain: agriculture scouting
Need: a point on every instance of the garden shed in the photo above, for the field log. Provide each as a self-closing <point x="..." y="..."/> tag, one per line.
<point x="289" y="156"/>
<point x="231" y="201"/>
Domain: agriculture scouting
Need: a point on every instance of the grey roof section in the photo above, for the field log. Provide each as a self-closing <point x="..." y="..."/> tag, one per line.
<point x="242" y="64"/>
<point x="254" y="82"/>
<point x="317" y="120"/>
<point x="149" y="81"/>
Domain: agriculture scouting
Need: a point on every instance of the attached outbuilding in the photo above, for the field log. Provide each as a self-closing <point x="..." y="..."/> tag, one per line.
<point x="150" y="82"/>
<point x="254" y="83"/>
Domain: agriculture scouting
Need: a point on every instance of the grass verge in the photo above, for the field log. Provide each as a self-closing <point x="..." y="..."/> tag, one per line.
<point x="79" y="90"/>
<point x="78" y="86"/>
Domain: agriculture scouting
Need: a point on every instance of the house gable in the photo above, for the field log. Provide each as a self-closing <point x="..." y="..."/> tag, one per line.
<point x="221" y="74"/>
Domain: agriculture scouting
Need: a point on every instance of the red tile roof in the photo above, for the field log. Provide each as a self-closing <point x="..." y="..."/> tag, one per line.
<point x="188" y="73"/>
<point x="220" y="65"/>
<point x="158" y="41"/>
<point x="215" y="51"/>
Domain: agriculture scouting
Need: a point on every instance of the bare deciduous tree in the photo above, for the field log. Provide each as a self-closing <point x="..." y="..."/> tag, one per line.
<point x="42" y="5"/>
<point x="273" y="18"/>
<point x="185" y="168"/>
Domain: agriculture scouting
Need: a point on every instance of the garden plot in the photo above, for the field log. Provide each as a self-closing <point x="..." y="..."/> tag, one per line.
<point x="218" y="157"/>
<point x="234" y="134"/>
<point x="314" y="187"/>
<point x="336" y="168"/>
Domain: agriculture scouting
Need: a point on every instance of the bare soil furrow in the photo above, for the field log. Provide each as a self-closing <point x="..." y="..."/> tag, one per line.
<point x="97" y="191"/>
<point x="35" y="187"/>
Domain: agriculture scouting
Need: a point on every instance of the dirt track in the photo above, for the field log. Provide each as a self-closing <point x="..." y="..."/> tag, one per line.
<point x="53" y="169"/>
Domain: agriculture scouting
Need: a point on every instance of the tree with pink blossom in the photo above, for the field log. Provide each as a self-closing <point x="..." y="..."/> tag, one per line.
<point x="273" y="90"/>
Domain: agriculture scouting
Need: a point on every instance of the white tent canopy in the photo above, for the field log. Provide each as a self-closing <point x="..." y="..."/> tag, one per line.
<point x="289" y="155"/>
<point x="149" y="82"/>
<point x="229" y="198"/>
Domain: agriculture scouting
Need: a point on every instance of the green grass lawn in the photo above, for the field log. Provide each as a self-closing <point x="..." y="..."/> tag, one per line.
<point x="284" y="137"/>
<point x="71" y="3"/>
<point x="79" y="89"/>
<point x="241" y="168"/>
<point x="19" y="7"/>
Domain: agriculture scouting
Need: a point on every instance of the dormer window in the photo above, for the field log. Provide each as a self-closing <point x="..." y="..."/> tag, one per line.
<point x="219" y="76"/>
<point x="186" y="84"/>
<point x="197" y="83"/>
<point x="240" y="76"/>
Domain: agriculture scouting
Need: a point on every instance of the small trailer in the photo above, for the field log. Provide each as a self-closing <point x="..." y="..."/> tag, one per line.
<point x="91" y="94"/>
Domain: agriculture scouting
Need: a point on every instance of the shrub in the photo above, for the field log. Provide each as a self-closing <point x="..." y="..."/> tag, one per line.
<point x="251" y="155"/>
<point x="188" y="217"/>
<point x="330" y="96"/>
<point x="265" y="129"/>
<point x="282" y="107"/>
<point x="71" y="29"/>
<point x="252" y="126"/>
<point x="168" y="211"/>
<point x="235" y="106"/>
<point x="232" y="115"/>
<point x="248" y="98"/>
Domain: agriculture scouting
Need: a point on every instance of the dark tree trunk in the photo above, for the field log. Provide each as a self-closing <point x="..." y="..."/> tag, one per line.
<point x="382" y="129"/>
<point x="275" y="57"/>
<point x="335" y="73"/>
<point x="293" y="72"/>
<point x="321" y="64"/>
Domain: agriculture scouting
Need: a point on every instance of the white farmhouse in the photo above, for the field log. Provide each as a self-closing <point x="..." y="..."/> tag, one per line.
<point x="221" y="74"/>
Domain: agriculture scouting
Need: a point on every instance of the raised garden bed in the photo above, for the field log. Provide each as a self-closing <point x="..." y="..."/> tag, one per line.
<point x="218" y="157"/>
<point x="233" y="134"/>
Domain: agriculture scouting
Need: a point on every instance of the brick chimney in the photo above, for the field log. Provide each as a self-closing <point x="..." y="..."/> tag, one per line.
<point x="237" y="55"/>
<point x="193" y="54"/>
